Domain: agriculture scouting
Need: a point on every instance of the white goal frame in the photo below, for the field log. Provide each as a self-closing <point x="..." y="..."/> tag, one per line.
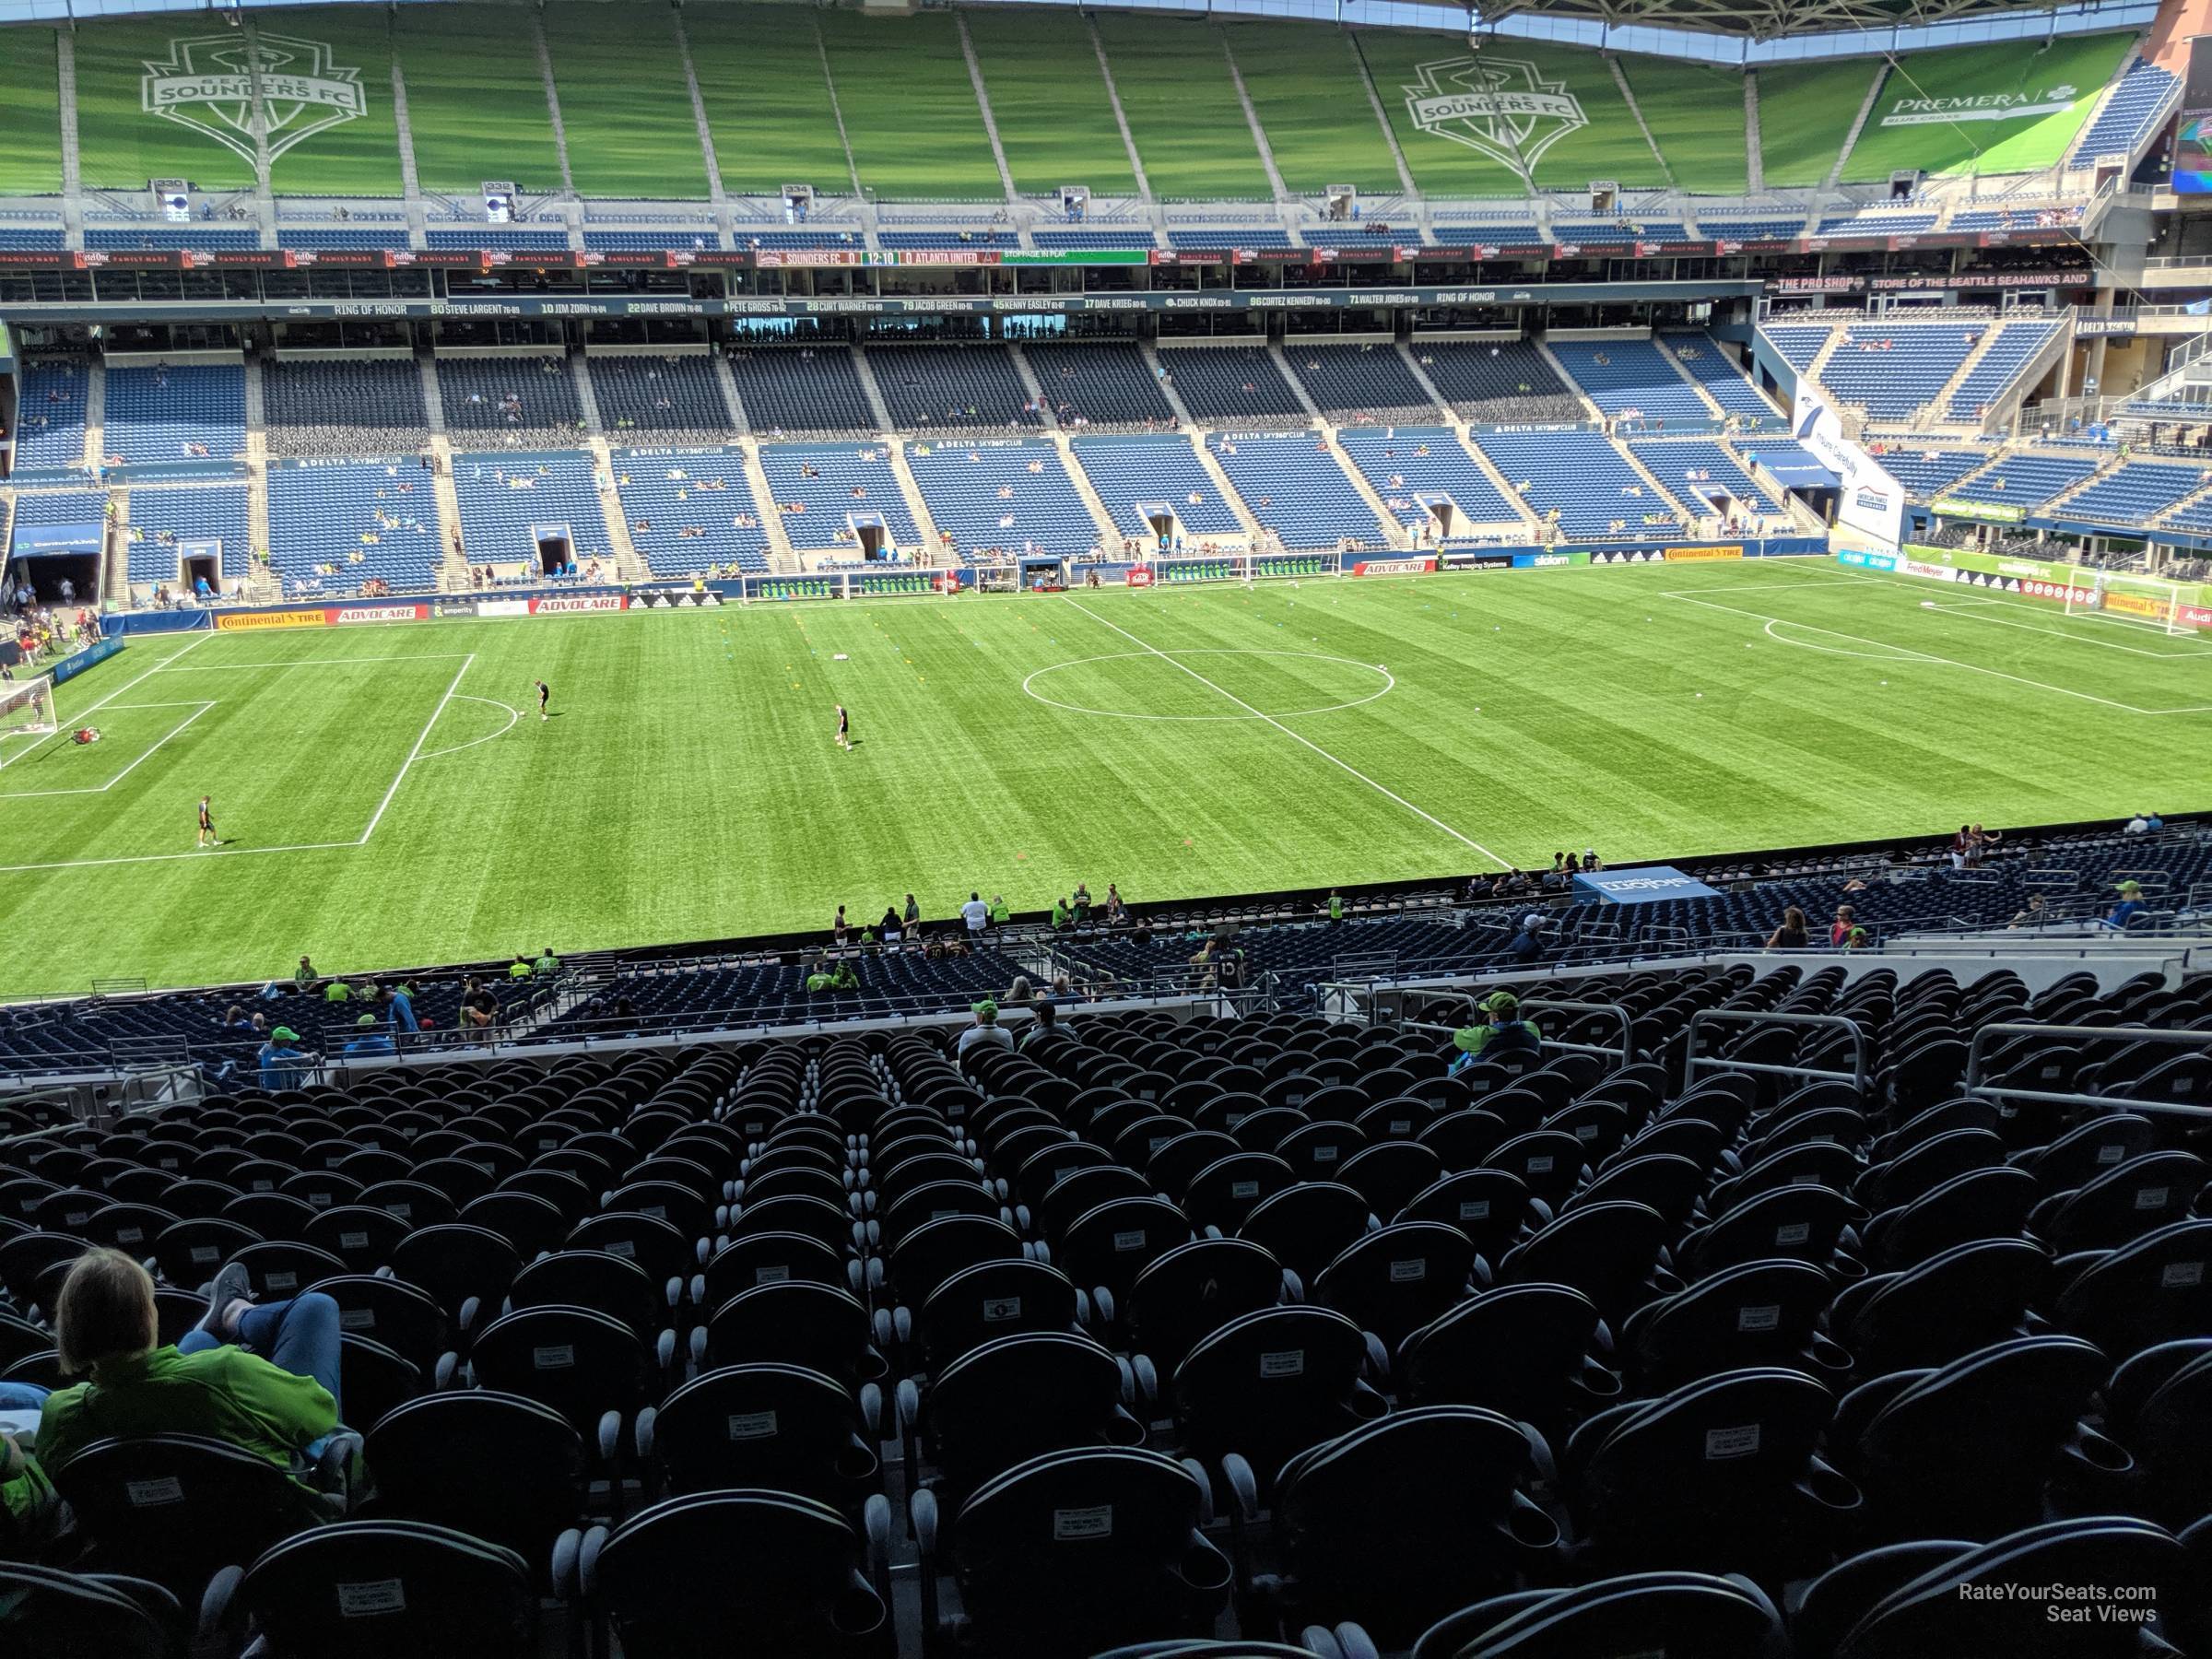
<point x="27" y="707"/>
<point x="2146" y="601"/>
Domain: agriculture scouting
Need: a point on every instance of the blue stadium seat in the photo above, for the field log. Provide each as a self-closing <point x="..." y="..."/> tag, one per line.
<point x="1294" y="484"/>
<point x="951" y="389"/>
<point x="335" y="525"/>
<point x="2141" y="96"/>
<point x="673" y="397"/>
<point x="173" y="411"/>
<point x="690" y="513"/>
<point x="1106" y="386"/>
<point x="1415" y="462"/>
<point x="1225" y="384"/>
<point x="1580" y="476"/>
<point x="1501" y="381"/>
<point x="832" y="485"/>
<point x="162" y="518"/>
<point x="1360" y="382"/>
<point x="1002" y="496"/>
<point x="1626" y="376"/>
<point x="336" y="407"/>
<point x="2008" y="354"/>
<point x="49" y="413"/>
<point x="529" y="399"/>
<point x="506" y="498"/>
<point x="1164" y="471"/>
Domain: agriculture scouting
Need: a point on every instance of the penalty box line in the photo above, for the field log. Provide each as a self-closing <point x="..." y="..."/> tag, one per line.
<point x="1346" y="766"/>
<point x="202" y="853"/>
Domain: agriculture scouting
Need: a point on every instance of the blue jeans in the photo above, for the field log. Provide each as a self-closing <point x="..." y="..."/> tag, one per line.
<point x="299" y="1336"/>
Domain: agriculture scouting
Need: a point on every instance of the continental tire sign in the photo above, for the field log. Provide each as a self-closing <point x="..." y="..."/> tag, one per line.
<point x="241" y="621"/>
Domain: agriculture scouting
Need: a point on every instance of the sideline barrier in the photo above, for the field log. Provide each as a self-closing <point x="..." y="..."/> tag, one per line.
<point x="70" y="666"/>
<point x="2057" y="583"/>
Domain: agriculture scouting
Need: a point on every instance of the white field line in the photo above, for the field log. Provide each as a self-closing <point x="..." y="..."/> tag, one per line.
<point x="422" y="737"/>
<point x="1295" y="736"/>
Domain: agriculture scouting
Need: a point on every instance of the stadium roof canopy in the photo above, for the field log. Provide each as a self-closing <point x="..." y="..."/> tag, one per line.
<point x="1765" y="20"/>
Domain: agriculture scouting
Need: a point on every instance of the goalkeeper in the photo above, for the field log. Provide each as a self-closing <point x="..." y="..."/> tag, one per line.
<point x="85" y="734"/>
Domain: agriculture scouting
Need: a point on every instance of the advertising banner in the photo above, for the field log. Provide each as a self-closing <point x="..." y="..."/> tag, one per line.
<point x="241" y="621"/>
<point x="563" y="603"/>
<point x="33" y="540"/>
<point x="1137" y="576"/>
<point x="1873" y="562"/>
<point x="1994" y="513"/>
<point x="1394" y="566"/>
<point x="503" y="607"/>
<point x="2192" y="139"/>
<point x="1873" y="502"/>
<point x="378" y="613"/>
<point x="1475" y="562"/>
<point x="1674" y="554"/>
<point x="1549" y="562"/>
<point x="69" y="667"/>
<point x="1651" y="884"/>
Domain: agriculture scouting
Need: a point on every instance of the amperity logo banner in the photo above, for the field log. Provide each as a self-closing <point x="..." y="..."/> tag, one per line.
<point x="207" y="84"/>
<point x="1499" y="106"/>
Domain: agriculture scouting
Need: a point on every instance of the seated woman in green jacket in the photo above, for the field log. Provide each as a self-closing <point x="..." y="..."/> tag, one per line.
<point x="262" y="1378"/>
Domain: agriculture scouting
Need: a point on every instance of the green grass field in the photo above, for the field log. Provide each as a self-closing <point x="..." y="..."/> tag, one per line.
<point x="476" y="98"/>
<point x="30" y="133"/>
<point x="910" y="109"/>
<point x="1190" y="129"/>
<point x="622" y="144"/>
<point x="768" y="105"/>
<point x="386" y="795"/>
<point x="1047" y="95"/>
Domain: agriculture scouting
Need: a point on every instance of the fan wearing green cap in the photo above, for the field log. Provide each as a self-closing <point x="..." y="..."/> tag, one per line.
<point x="1502" y="1031"/>
<point x="369" y="1038"/>
<point x="2129" y="907"/>
<point x="986" y="1033"/>
<point x="282" y="1064"/>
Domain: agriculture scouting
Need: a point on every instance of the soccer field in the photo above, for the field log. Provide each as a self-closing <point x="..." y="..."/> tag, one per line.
<point x="388" y="795"/>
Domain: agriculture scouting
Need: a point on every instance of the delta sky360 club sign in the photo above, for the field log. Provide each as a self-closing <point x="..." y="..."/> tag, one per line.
<point x="207" y="84"/>
<point x="1499" y="106"/>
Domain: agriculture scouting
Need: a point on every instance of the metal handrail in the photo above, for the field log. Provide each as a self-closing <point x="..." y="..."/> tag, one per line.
<point x="1977" y="1052"/>
<point x="1705" y="1018"/>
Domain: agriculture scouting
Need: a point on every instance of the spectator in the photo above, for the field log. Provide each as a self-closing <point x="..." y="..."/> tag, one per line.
<point x="1591" y="863"/>
<point x="547" y="964"/>
<point x="2138" y="824"/>
<point x="263" y="1379"/>
<point x="986" y="1033"/>
<point x="2129" y="907"/>
<point x="520" y="968"/>
<point x="1841" y="928"/>
<point x="280" y="1061"/>
<point x="2153" y="823"/>
<point x="398" y="1004"/>
<point x="975" y="913"/>
<point x="1791" y="935"/>
<point x="1856" y="939"/>
<point x="303" y="981"/>
<point x="837" y="928"/>
<point x="840" y="978"/>
<point x="337" y="991"/>
<point x="1528" y="944"/>
<point x="1336" y="905"/>
<point x="1080" y="905"/>
<point x="913" y="914"/>
<point x="1000" y="912"/>
<point x="1503" y="1031"/>
<point x="1059" y="914"/>
<point x="367" y="1039"/>
<point x="1040" y="1031"/>
<point x="1018" y="994"/>
<point x="479" y="1007"/>
<point x="888" y="927"/>
<point x="2033" y="914"/>
<point x="1116" y="912"/>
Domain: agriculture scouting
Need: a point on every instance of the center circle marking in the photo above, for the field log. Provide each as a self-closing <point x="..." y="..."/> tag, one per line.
<point x="1028" y="684"/>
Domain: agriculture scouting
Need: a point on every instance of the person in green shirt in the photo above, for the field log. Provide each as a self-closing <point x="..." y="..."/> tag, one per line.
<point x="1502" y="1031"/>
<point x="337" y="991"/>
<point x="303" y="981"/>
<point x="1059" y="912"/>
<point x="264" y="1378"/>
<point x="547" y="965"/>
<point x="521" y="969"/>
<point x="1336" y="907"/>
<point x="1001" y="913"/>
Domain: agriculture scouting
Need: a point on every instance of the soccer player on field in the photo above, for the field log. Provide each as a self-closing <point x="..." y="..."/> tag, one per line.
<point x="845" y="729"/>
<point x="545" y="694"/>
<point x="207" y="835"/>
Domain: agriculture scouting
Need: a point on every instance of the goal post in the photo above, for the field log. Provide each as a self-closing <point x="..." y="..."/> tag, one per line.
<point x="27" y="707"/>
<point x="2149" y="601"/>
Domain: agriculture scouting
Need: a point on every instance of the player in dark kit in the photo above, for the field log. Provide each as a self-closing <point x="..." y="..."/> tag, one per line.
<point x="845" y="729"/>
<point x="545" y="694"/>
<point x="207" y="835"/>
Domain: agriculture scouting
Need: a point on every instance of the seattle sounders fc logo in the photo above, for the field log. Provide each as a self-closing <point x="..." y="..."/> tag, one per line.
<point x="1499" y="106"/>
<point x="207" y="84"/>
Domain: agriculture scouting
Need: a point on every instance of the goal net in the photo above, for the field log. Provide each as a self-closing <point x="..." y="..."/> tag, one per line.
<point x="26" y="707"/>
<point x="2146" y="601"/>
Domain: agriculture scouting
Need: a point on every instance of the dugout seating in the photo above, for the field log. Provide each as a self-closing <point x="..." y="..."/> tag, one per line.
<point x="1702" y="356"/>
<point x="332" y="407"/>
<point x="528" y="399"/>
<point x="1105" y="387"/>
<point x="1003" y="497"/>
<point x="335" y="524"/>
<point x="49" y="413"/>
<point x="168" y="412"/>
<point x="691" y="513"/>
<point x="505" y="497"/>
<point x="1632" y="378"/>
<point x="1501" y="380"/>
<point x="1294" y="485"/>
<point x="1230" y="386"/>
<point x="1366" y="384"/>
<point x="1583" y="480"/>
<point x="801" y="389"/>
<point x="160" y="518"/>
<point x="1164" y="471"/>
<point x="1591" y="1351"/>
<point x="676" y="399"/>
<point x="2015" y="346"/>
<point x="831" y="484"/>
<point x="1413" y="462"/>
<point x="931" y="389"/>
